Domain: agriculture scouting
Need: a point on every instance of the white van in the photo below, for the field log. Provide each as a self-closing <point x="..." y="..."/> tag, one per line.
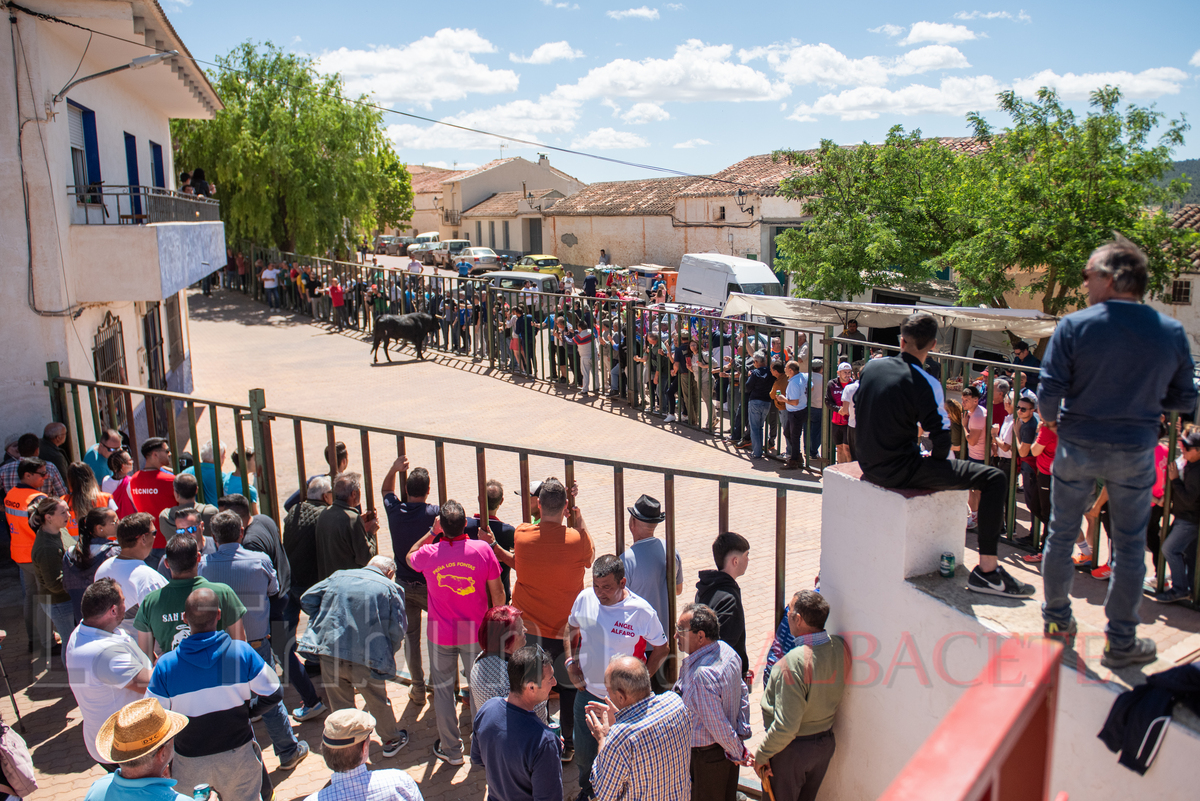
<point x="706" y="279"/>
<point x="428" y="237"/>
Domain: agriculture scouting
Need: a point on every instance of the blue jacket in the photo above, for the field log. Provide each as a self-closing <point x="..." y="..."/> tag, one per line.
<point x="1111" y="370"/>
<point x="356" y="615"/>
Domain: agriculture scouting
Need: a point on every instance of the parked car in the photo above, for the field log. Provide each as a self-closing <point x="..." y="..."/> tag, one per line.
<point x="482" y="260"/>
<point x="381" y="243"/>
<point x="421" y="251"/>
<point x="540" y="263"/>
<point x="399" y="245"/>
<point x="446" y="252"/>
<point x="510" y="284"/>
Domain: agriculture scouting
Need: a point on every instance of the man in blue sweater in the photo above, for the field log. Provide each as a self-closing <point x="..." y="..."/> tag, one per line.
<point x="1109" y="373"/>
<point x="518" y="752"/>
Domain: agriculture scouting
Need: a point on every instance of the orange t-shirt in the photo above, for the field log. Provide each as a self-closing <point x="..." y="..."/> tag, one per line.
<point x="551" y="560"/>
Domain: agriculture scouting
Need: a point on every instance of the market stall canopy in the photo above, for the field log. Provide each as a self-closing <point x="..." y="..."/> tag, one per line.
<point x="1025" y="323"/>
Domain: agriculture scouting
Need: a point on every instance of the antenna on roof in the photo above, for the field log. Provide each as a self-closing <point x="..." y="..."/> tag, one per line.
<point x="502" y="146"/>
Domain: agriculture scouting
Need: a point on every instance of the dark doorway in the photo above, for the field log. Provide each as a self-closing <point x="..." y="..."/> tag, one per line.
<point x="535" y="235"/>
<point x="157" y="409"/>
<point x="131" y="166"/>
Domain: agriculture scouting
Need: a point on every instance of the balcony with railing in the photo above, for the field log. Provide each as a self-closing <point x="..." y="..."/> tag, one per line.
<point x="141" y="242"/>
<point x="107" y="204"/>
<point x="451" y="216"/>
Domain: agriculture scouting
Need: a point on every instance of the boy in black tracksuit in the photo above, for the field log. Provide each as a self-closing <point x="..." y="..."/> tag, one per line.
<point x="718" y="589"/>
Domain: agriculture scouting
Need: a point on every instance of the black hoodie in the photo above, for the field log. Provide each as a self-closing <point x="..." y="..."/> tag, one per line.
<point x="720" y="592"/>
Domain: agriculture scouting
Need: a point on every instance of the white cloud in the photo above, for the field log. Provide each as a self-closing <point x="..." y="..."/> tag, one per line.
<point x="548" y="54"/>
<point x="952" y="96"/>
<point x="1145" y="84"/>
<point x="641" y="13"/>
<point x="696" y="72"/>
<point x="1020" y="16"/>
<point x="823" y="64"/>
<point x="438" y="67"/>
<point x="938" y="33"/>
<point x="645" y="112"/>
<point x="691" y="143"/>
<point x="608" y="139"/>
<point x="676" y="6"/>
<point x="887" y="30"/>
<point x="525" y="119"/>
<point x="1195" y="62"/>
<point x="568" y="6"/>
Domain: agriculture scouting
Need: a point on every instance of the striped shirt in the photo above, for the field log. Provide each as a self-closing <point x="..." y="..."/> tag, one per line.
<point x="211" y="679"/>
<point x="250" y="575"/>
<point x="53" y="486"/>
<point x="647" y="754"/>
<point x="360" y="784"/>
<point x="710" y="681"/>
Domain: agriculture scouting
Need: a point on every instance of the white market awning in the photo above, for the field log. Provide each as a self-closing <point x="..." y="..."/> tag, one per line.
<point x="1025" y="323"/>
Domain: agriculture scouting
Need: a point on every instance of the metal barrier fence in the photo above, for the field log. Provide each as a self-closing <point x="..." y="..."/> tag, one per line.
<point x="712" y="394"/>
<point x="65" y="394"/>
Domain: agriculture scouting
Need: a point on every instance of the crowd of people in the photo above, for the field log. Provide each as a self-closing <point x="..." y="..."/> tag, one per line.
<point x="176" y="620"/>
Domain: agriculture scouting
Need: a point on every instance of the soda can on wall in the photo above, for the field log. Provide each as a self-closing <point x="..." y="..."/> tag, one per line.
<point x="946" y="565"/>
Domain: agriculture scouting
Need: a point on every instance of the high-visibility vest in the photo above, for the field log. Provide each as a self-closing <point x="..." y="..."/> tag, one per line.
<point x="103" y="501"/>
<point x="16" y="502"/>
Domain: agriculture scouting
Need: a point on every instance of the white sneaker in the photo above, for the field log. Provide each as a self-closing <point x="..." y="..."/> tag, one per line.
<point x="670" y="418"/>
<point x="972" y="520"/>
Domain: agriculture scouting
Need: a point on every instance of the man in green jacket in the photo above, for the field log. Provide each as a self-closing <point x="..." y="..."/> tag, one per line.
<point x="800" y="702"/>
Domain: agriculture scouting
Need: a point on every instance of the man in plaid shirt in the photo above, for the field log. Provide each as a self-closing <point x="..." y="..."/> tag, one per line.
<point x="645" y="739"/>
<point x="710" y="682"/>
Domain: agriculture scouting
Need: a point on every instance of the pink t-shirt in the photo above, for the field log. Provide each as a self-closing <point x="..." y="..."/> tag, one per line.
<point x="977" y="421"/>
<point x="457" y="573"/>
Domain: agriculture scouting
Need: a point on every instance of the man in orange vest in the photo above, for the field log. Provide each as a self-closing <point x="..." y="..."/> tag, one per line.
<point x="31" y="474"/>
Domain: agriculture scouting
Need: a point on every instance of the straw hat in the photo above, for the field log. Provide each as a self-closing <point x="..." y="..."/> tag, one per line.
<point x="137" y="729"/>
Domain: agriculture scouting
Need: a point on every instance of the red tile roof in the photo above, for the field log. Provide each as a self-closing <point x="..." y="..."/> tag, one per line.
<point x="761" y="175"/>
<point x="428" y="179"/>
<point x="1189" y="217"/>
<point x="504" y="204"/>
<point x="625" y="198"/>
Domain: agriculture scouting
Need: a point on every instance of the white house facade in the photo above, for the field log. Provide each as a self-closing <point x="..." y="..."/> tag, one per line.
<point x="96" y="245"/>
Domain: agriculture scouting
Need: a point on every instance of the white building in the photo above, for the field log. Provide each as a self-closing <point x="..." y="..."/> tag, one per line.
<point x="98" y="251"/>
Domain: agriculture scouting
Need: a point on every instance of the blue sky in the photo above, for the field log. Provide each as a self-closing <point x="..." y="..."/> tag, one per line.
<point x="697" y="86"/>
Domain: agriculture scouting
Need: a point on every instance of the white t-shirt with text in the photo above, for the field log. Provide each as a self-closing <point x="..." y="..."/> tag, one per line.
<point x="627" y="628"/>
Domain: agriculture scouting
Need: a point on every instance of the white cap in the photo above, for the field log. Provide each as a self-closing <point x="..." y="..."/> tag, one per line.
<point x="845" y="366"/>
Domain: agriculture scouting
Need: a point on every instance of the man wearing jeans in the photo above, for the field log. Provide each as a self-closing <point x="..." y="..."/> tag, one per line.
<point x="894" y="396"/>
<point x="253" y="578"/>
<point x="410" y="520"/>
<point x="463" y="579"/>
<point x="759" y="383"/>
<point x="1107" y="429"/>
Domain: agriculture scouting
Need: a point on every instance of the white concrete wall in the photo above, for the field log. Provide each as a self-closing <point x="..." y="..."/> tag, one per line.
<point x="914" y="653"/>
<point x="507" y="178"/>
<point x="1186" y="313"/>
<point x="121" y="104"/>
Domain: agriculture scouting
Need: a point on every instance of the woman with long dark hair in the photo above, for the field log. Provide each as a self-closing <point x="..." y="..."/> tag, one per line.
<point x="80" y="562"/>
<point x="83" y="495"/>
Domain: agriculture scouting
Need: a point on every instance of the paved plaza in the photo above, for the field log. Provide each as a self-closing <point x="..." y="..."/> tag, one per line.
<point x="237" y="345"/>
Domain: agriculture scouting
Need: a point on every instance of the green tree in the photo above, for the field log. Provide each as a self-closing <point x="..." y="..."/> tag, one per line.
<point x="1018" y="210"/>
<point x="296" y="164"/>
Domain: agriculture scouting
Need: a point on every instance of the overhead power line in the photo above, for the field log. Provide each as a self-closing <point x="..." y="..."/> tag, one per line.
<point x="386" y="109"/>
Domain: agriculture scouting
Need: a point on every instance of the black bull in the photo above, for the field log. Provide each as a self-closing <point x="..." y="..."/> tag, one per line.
<point x="411" y="328"/>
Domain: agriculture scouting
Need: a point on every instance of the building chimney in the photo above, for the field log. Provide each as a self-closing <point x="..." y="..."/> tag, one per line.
<point x="543" y="160"/>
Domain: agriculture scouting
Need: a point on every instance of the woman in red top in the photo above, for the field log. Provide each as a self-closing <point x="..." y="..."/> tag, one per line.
<point x="337" y="298"/>
<point x="1042" y="450"/>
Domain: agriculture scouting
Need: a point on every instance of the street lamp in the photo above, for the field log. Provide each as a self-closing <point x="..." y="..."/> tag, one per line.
<point x="740" y="198"/>
<point x="136" y="64"/>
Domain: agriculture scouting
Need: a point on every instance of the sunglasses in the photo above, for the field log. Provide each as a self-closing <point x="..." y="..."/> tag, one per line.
<point x="188" y="530"/>
<point x="43" y="473"/>
<point x="1024" y="408"/>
